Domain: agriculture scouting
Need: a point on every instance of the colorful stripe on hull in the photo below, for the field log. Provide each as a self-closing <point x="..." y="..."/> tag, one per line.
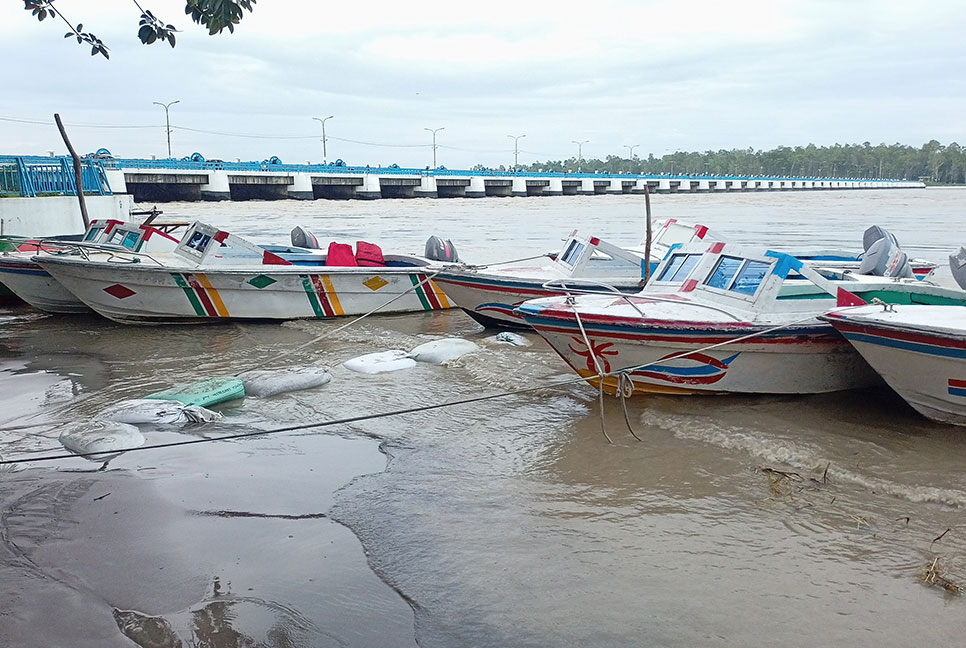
<point x="322" y="295"/>
<point x="203" y="297"/>
<point x="429" y="294"/>
<point x="917" y="342"/>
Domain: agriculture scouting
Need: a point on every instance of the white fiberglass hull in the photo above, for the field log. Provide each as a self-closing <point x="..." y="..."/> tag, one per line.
<point x="916" y="353"/>
<point x="134" y="293"/>
<point x="801" y="359"/>
<point x="31" y="283"/>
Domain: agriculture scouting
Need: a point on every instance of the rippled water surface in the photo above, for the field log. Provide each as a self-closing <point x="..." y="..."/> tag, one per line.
<point x="735" y="521"/>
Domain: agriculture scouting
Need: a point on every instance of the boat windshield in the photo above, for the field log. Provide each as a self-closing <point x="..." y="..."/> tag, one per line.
<point x="679" y="267"/>
<point x="572" y="253"/>
<point x="738" y="275"/>
<point x="94" y="233"/>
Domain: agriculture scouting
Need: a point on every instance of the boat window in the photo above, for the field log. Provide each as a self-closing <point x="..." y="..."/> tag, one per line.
<point x="679" y="267"/>
<point x="572" y="253"/>
<point x="199" y="241"/>
<point x="724" y="272"/>
<point x="94" y="233"/>
<point x="116" y="237"/>
<point x="750" y="277"/>
<point x="131" y="240"/>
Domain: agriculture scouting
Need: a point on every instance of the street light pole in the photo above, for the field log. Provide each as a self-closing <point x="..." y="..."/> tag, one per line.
<point x="630" y="153"/>
<point x="579" y="154"/>
<point x="516" y="150"/>
<point x="434" y="131"/>
<point x="324" y="138"/>
<point x="167" y="122"/>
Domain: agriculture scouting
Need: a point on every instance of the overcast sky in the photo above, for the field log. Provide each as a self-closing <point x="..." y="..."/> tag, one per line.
<point x="662" y="76"/>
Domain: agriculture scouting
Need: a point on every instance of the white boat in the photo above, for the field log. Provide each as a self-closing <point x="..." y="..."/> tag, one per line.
<point x="719" y="318"/>
<point x="21" y="273"/>
<point x="920" y="351"/>
<point x="214" y="275"/>
<point x="489" y="294"/>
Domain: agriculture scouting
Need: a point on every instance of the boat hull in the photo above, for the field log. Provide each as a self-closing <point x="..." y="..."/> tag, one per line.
<point x="799" y="360"/>
<point x="492" y="301"/>
<point x="133" y="293"/>
<point x="927" y="369"/>
<point x="34" y="285"/>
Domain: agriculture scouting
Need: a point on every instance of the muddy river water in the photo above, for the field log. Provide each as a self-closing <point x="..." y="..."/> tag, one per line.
<point x="507" y="523"/>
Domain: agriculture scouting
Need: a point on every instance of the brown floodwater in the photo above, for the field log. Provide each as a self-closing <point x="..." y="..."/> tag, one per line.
<point x="734" y="521"/>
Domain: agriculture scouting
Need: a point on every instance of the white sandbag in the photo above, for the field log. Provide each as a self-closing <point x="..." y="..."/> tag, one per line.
<point x="508" y="337"/>
<point x="268" y="382"/>
<point x="374" y="363"/>
<point x="106" y="438"/>
<point x="442" y="351"/>
<point x="145" y="410"/>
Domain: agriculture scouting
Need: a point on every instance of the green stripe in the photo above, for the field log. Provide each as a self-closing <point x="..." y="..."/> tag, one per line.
<point x="313" y="298"/>
<point x="419" y="292"/>
<point x="190" y="293"/>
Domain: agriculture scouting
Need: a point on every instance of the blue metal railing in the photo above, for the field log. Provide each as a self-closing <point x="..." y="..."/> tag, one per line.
<point x="30" y="176"/>
<point x="200" y="164"/>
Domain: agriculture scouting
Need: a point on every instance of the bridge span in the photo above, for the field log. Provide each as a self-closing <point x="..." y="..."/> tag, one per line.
<point x="195" y="178"/>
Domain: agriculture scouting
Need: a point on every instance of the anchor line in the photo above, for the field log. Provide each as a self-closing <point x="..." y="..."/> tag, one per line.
<point x="400" y="412"/>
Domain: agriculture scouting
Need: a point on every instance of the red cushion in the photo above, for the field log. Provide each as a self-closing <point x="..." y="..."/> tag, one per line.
<point x="369" y="255"/>
<point x="340" y="254"/>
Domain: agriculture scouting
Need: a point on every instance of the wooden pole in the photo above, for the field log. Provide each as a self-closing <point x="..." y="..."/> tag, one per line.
<point x="647" y="236"/>
<point x="77" y="172"/>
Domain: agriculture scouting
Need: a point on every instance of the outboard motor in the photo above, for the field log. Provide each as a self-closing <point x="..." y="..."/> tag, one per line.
<point x="883" y="258"/>
<point x="303" y="238"/>
<point x="875" y="233"/>
<point x="439" y="250"/>
<point x="957" y="264"/>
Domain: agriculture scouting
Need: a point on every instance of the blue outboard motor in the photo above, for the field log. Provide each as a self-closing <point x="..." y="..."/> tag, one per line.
<point x="303" y="238"/>
<point x="883" y="257"/>
<point x="439" y="250"/>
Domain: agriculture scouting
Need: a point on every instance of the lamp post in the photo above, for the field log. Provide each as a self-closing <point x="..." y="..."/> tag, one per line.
<point x="630" y="153"/>
<point x="324" y="138"/>
<point x="579" y="154"/>
<point x="516" y="149"/>
<point x="434" y="131"/>
<point x="167" y="122"/>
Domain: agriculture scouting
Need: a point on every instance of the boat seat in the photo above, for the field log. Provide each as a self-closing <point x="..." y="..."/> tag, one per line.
<point x="369" y="255"/>
<point x="340" y="254"/>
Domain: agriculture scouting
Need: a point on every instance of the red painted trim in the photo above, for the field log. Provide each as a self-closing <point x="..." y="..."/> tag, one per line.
<point x="202" y="295"/>
<point x="702" y="230"/>
<point x="595" y="241"/>
<point x="220" y="236"/>
<point x="957" y="383"/>
<point x="689" y="285"/>
<point x="430" y="294"/>
<point x="716" y="247"/>
<point x="270" y="258"/>
<point x="321" y="294"/>
<point x="938" y="340"/>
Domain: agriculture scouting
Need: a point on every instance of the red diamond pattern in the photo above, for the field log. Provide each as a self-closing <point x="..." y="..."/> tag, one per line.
<point x="119" y="291"/>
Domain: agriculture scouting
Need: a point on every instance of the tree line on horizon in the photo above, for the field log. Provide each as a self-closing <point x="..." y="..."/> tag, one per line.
<point x="933" y="162"/>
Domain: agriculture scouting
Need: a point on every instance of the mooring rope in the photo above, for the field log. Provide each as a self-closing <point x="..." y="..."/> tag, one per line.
<point x="423" y="408"/>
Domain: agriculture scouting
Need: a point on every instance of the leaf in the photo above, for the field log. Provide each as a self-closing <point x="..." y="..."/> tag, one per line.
<point x="171" y="39"/>
<point x="144" y="33"/>
<point x="80" y="27"/>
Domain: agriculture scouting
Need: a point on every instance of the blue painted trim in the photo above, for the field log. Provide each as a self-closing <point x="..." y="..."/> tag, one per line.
<point x="957" y="391"/>
<point x="917" y="347"/>
<point x="786" y="263"/>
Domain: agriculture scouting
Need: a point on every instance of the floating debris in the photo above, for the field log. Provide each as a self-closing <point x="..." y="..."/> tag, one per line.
<point x="149" y="410"/>
<point x="204" y="392"/>
<point x="269" y="382"/>
<point x="100" y="441"/>
<point x="933" y="577"/>
<point x="442" y="351"/>
<point x="381" y="362"/>
<point x="508" y="337"/>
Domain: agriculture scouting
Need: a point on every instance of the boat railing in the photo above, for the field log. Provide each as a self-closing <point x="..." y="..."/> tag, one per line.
<point x="561" y="284"/>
